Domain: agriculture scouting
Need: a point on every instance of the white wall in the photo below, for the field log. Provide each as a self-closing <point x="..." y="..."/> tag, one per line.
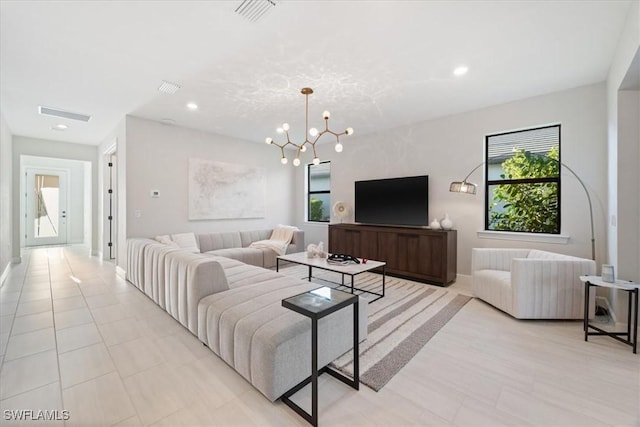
<point x="448" y="148"/>
<point x="627" y="49"/>
<point x="117" y="136"/>
<point x="75" y="203"/>
<point x="629" y="185"/>
<point x="54" y="149"/>
<point x="6" y="209"/>
<point x="157" y="158"/>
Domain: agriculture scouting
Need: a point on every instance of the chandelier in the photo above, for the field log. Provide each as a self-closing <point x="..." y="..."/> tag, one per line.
<point x="313" y="133"/>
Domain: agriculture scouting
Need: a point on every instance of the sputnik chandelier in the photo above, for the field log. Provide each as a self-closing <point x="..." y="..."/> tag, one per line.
<point x="313" y="132"/>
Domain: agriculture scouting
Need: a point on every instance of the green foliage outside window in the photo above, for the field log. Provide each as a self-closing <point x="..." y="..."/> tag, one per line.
<point x="315" y="210"/>
<point x="527" y="207"/>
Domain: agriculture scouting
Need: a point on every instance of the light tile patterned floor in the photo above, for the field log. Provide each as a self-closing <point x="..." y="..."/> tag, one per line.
<point x="75" y="337"/>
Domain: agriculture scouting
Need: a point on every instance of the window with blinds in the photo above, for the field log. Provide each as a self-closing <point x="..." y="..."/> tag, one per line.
<point x="523" y="181"/>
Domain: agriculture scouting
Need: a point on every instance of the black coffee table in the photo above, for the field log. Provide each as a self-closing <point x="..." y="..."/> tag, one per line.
<point x="315" y="305"/>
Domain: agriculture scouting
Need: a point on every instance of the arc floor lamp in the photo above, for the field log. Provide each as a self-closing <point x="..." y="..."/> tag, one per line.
<point x="467" y="187"/>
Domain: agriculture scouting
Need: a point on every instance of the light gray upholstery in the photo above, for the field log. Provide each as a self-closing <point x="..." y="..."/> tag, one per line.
<point x="269" y="345"/>
<point x="236" y="309"/>
<point x="135" y="260"/>
<point x="532" y="284"/>
<point x="235" y="245"/>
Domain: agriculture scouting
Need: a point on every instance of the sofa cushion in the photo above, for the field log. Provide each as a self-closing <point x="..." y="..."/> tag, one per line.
<point x="246" y="255"/>
<point x="186" y="241"/>
<point x="495" y="288"/>
<point x="215" y="241"/>
<point x="266" y="343"/>
<point x="165" y="239"/>
<point x="538" y="254"/>
<point x="248" y="237"/>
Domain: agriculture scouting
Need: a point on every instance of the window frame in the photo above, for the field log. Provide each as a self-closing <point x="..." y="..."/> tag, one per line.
<point x="311" y="193"/>
<point x="489" y="183"/>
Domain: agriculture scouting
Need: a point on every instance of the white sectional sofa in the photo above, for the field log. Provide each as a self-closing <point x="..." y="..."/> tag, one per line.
<point x="236" y="309"/>
<point x="531" y="284"/>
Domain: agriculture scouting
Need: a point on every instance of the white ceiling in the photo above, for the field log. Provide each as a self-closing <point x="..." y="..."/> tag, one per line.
<point x="374" y="64"/>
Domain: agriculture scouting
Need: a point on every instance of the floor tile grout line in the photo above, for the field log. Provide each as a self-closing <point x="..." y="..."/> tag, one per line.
<point x="116" y="370"/>
<point x="55" y="337"/>
<point x="15" y="311"/>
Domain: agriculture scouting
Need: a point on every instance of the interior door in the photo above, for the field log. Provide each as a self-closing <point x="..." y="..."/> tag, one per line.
<point x="46" y="207"/>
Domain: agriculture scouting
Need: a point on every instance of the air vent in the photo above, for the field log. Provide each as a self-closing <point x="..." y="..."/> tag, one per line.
<point x="168" y="87"/>
<point x="254" y="9"/>
<point x="46" y="111"/>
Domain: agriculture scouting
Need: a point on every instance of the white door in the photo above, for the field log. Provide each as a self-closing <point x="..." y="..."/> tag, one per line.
<point x="46" y="207"/>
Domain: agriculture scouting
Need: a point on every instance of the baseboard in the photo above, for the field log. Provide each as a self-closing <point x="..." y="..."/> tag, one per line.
<point x="121" y="272"/>
<point x="464" y="279"/>
<point x="16" y="260"/>
<point x="96" y="253"/>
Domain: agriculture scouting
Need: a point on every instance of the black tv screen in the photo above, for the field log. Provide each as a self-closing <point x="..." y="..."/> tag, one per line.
<point x="393" y="201"/>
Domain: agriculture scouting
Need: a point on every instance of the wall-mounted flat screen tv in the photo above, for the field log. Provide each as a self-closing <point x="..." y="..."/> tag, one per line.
<point x="393" y="201"/>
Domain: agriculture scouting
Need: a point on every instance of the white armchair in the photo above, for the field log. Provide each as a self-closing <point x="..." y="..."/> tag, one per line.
<point x="532" y="284"/>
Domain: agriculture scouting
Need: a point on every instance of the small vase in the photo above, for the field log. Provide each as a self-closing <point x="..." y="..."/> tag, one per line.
<point x="446" y="222"/>
<point x="435" y="225"/>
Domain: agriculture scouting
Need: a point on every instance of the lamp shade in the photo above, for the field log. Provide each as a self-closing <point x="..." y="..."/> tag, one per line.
<point x="463" y="187"/>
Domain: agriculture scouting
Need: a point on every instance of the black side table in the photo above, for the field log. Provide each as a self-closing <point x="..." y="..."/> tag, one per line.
<point x="317" y="304"/>
<point x="631" y="288"/>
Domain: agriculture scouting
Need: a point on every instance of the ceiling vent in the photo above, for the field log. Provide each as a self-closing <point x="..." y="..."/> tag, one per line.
<point x="254" y="9"/>
<point x="47" y="111"/>
<point x="168" y="87"/>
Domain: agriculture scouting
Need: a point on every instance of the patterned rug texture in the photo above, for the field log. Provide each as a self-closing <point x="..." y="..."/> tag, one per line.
<point x="400" y="324"/>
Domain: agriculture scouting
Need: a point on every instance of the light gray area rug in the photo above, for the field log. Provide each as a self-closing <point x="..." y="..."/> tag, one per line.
<point x="400" y="324"/>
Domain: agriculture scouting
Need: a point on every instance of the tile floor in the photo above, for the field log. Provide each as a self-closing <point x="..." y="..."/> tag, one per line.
<point x="76" y="337"/>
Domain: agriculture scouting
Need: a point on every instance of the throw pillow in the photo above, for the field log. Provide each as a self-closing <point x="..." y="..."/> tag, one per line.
<point x="186" y="241"/>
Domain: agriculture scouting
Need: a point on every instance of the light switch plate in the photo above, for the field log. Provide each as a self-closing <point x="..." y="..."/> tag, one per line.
<point x="155" y="193"/>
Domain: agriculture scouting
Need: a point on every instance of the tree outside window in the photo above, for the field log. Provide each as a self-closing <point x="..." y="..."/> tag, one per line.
<point x="523" y="181"/>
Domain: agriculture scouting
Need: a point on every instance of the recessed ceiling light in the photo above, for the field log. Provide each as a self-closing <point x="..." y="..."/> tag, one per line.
<point x="59" y="126"/>
<point x="461" y="70"/>
<point x="192" y="106"/>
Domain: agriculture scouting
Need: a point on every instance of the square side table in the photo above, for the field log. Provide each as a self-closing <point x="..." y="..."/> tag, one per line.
<point x="315" y="305"/>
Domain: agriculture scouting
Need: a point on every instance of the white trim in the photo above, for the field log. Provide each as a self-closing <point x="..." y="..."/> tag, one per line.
<point x="121" y="272"/>
<point x="560" y="239"/>
<point x="5" y="274"/>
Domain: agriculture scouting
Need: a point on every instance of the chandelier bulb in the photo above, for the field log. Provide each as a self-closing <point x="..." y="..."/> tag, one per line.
<point x="285" y="126"/>
<point x="268" y="140"/>
<point x="303" y="148"/>
<point x="279" y="130"/>
<point x="349" y="131"/>
<point x="316" y="161"/>
<point x="313" y="131"/>
<point x="326" y="115"/>
<point x="339" y="148"/>
<point x="296" y="162"/>
<point x="284" y="160"/>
